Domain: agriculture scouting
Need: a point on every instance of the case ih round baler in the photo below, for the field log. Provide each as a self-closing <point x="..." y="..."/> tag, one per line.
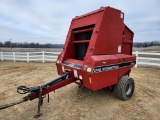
<point x="97" y="54"/>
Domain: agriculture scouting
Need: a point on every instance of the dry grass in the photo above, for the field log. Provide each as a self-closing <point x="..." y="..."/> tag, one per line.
<point x="73" y="103"/>
<point x="152" y="48"/>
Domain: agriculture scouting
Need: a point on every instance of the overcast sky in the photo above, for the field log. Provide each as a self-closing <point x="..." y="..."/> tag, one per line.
<point x="48" y="21"/>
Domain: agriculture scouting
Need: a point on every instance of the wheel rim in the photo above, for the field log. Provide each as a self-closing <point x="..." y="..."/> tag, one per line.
<point x="128" y="89"/>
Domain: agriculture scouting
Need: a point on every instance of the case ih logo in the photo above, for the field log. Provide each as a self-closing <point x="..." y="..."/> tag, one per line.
<point x="105" y="68"/>
<point x="111" y="67"/>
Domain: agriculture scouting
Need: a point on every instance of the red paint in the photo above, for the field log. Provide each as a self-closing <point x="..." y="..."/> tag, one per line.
<point x="110" y="44"/>
<point x="52" y="88"/>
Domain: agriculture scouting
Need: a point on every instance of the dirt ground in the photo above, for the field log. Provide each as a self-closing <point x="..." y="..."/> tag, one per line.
<point x="73" y="103"/>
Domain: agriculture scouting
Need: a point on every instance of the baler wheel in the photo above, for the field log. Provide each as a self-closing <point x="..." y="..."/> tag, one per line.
<point x="125" y="88"/>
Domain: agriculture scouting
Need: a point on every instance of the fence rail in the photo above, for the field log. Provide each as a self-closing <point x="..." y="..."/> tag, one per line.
<point x="143" y="58"/>
<point x="147" y="58"/>
<point x="30" y="56"/>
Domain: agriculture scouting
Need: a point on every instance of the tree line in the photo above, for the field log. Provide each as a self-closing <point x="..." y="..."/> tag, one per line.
<point x="146" y="44"/>
<point x="29" y="45"/>
<point x="48" y="45"/>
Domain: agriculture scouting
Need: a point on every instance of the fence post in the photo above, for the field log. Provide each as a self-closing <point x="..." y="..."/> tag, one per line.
<point x="27" y="56"/>
<point x="1" y="56"/>
<point x="43" y="56"/>
<point x="14" y="56"/>
<point x="136" y="59"/>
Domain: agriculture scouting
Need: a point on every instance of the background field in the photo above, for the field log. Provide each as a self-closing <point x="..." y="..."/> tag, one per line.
<point x="152" y="48"/>
<point x="73" y="103"/>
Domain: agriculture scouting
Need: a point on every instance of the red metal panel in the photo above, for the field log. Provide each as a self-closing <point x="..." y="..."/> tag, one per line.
<point x="81" y="41"/>
<point x="109" y="44"/>
<point x="96" y="81"/>
<point x="90" y="13"/>
<point x="58" y="85"/>
<point x="124" y="71"/>
<point x="104" y="79"/>
<point x="52" y="88"/>
<point x="80" y="31"/>
<point x="88" y="20"/>
<point x="103" y="60"/>
<point x="127" y="41"/>
<point x="125" y="58"/>
<point x="110" y="33"/>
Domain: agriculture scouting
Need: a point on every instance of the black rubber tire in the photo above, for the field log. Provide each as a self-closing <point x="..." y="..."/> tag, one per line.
<point x="125" y="88"/>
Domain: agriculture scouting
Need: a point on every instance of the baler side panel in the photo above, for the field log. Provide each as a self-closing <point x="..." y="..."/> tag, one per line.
<point x="104" y="79"/>
<point x="127" y="41"/>
<point x="91" y="19"/>
<point x="125" y="70"/>
<point x="110" y="33"/>
<point x="101" y="79"/>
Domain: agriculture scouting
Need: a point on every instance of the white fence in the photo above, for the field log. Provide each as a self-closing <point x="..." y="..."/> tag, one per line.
<point x="143" y="58"/>
<point x="30" y="56"/>
<point x="147" y="58"/>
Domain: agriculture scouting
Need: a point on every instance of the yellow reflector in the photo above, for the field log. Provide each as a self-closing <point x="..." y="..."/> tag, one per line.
<point x="90" y="80"/>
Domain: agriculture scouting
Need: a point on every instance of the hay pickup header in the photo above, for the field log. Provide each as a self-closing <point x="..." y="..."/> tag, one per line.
<point x="97" y="54"/>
